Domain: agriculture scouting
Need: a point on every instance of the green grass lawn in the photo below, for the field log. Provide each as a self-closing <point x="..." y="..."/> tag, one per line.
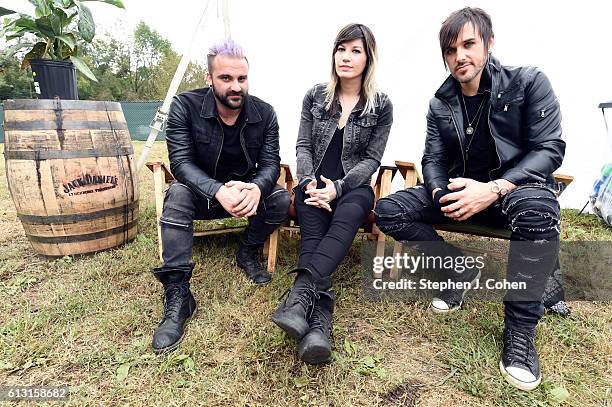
<point x="87" y="322"/>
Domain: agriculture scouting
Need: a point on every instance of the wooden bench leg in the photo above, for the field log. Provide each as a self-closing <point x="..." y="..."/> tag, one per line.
<point x="271" y="247"/>
<point x="158" y="180"/>
<point x="380" y="251"/>
<point x="383" y="190"/>
<point x="394" y="273"/>
<point x="272" y="250"/>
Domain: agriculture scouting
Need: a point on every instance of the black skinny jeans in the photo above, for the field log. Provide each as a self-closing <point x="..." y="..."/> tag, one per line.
<point x="327" y="237"/>
<point x="530" y="211"/>
<point x="182" y="206"/>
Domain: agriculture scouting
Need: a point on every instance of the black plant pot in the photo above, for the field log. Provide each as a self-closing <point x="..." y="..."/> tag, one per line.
<point x="54" y="79"/>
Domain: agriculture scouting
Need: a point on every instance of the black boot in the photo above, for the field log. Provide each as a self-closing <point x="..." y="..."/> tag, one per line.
<point x="315" y="347"/>
<point x="179" y="307"/>
<point x="293" y="313"/>
<point x="247" y="258"/>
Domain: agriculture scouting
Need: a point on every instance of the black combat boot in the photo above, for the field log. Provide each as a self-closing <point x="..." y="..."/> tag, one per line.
<point x="315" y="347"/>
<point x="247" y="258"/>
<point x="179" y="307"/>
<point x="293" y="313"/>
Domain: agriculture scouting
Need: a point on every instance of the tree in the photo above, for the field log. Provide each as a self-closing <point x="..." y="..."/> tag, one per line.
<point x="149" y="49"/>
<point x="15" y="83"/>
<point x="140" y="67"/>
<point x="110" y="62"/>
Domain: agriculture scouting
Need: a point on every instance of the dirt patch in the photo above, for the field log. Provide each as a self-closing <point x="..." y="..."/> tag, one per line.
<point x="405" y="394"/>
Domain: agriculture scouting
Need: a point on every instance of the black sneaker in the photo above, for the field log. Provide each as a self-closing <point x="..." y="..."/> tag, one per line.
<point x="450" y="300"/>
<point x="519" y="363"/>
<point x="559" y="308"/>
<point x="247" y="258"/>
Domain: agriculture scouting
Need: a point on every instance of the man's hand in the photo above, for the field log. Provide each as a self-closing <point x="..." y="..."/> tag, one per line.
<point x="249" y="196"/>
<point x="228" y="198"/>
<point x="321" y="197"/>
<point x="473" y="198"/>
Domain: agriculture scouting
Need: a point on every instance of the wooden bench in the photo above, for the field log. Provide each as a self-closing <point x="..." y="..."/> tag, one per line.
<point x="162" y="177"/>
<point x="412" y="177"/>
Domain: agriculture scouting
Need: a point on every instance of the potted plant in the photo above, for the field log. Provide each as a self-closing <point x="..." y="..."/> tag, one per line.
<point x="51" y="38"/>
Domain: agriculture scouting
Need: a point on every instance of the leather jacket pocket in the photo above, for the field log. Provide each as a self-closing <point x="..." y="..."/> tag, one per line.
<point x="253" y="141"/>
<point x="202" y="136"/>
<point x="509" y="99"/>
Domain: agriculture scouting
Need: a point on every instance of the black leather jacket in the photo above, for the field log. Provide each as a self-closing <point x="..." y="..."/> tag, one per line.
<point x="525" y="122"/>
<point x="195" y="137"/>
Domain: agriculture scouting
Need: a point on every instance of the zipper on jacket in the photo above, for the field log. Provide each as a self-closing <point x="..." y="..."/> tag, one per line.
<point x="244" y="150"/>
<point x="458" y="134"/>
<point x="494" y="143"/>
<point x="220" y="150"/>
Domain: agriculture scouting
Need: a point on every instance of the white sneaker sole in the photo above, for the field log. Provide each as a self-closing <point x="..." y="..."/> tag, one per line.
<point x="437" y="310"/>
<point x="526" y="386"/>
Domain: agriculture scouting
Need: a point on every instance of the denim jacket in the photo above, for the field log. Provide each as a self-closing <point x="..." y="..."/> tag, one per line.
<point x="364" y="139"/>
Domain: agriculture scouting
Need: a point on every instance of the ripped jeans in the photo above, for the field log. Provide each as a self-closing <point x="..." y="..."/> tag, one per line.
<point x="530" y="211"/>
<point x="182" y="206"/>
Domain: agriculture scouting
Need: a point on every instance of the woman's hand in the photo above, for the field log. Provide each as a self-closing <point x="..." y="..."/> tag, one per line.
<point x="321" y="197"/>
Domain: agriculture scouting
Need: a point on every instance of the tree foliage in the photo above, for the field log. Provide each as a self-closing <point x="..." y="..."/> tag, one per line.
<point x="15" y="83"/>
<point x="139" y="67"/>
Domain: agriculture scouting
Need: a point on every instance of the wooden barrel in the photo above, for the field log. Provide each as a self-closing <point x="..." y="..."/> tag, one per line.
<point x="71" y="173"/>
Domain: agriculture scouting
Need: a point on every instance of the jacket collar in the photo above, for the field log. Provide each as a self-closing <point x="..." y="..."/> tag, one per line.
<point x="449" y="88"/>
<point x="337" y="108"/>
<point x="209" y="108"/>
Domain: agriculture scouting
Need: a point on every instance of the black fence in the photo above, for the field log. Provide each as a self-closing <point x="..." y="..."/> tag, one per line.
<point x="137" y="114"/>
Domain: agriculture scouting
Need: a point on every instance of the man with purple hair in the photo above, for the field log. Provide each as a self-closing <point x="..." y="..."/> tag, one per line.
<point x="224" y="153"/>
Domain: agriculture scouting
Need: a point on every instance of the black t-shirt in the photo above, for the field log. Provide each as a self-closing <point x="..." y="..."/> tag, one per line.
<point x="479" y="147"/>
<point x="331" y="165"/>
<point x="232" y="162"/>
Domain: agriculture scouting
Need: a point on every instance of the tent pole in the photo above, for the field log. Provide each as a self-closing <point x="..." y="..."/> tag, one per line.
<point x="158" y="122"/>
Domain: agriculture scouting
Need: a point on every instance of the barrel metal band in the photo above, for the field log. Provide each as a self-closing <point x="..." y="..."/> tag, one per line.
<point x="77" y="217"/>
<point x="62" y="154"/>
<point x="85" y="237"/>
<point x="42" y="104"/>
<point x="66" y="125"/>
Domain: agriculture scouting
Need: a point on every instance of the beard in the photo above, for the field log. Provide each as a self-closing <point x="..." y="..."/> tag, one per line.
<point x="477" y="69"/>
<point x="225" y="99"/>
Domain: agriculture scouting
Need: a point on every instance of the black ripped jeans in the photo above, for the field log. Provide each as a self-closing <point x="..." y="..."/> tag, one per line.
<point x="530" y="211"/>
<point x="327" y="237"/>
<point x="182" y="206"/>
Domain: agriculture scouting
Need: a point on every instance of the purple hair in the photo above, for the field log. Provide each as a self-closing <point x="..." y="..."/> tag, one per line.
<point x="227" y="47"/>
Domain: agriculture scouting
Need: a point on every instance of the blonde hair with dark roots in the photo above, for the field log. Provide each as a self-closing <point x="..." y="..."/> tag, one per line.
<point x="368" y="82"/>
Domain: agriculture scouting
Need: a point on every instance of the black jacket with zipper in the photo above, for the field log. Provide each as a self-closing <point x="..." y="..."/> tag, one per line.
<point x="195" y="139"/>
<point x="525" y="122"/>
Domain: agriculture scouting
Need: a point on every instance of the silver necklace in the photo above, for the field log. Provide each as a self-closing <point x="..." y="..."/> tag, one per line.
<point x="469" y="130"/>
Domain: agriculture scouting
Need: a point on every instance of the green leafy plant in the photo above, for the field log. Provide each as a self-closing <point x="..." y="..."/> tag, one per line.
<point x="53" y="32"/>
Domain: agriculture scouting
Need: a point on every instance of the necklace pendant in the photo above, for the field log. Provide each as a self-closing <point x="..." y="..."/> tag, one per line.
<point x="469" y="131"/>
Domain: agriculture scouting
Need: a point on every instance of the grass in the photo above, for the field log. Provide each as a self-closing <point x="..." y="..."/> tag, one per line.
<point x="87" y="322"/>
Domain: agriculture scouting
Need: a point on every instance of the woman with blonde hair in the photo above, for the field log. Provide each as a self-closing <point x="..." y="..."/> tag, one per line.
<point x="342" y="137"/>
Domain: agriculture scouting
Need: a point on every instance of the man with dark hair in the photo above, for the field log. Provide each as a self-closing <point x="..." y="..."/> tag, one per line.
<point x="224" y="152"/>
<point x="493" y="142"/>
